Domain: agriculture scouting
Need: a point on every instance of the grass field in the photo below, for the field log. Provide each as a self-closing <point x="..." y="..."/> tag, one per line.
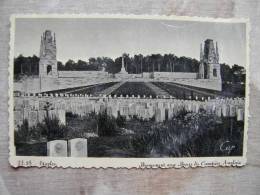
<point x="178" y="91"/>
<point x="90" y="89"/>
<point x="134" y="88"/>
<point x="184" y="91"/>
<point x="181" y="92"/>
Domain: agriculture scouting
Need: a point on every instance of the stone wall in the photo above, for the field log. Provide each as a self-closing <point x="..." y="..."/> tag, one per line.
<point x="201" y="83"/>
<point x="36" y="85"/>
<point x="84" y="74"/>
<point x="175" y="75"/>
<point x="28" y="85"/>
<point x="69" y="79"/>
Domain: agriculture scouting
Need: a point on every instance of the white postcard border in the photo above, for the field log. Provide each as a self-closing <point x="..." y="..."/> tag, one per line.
<point x="100" y="162"/>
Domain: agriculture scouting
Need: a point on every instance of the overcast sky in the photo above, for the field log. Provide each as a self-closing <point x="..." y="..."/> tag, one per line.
<point x="85" y="38"/>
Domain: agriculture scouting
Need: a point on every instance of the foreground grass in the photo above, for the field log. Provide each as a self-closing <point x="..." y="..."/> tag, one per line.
<point x="185" y="135"/>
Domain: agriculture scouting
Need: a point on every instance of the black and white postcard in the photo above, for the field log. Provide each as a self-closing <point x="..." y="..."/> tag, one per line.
<point x="127" y="91"/>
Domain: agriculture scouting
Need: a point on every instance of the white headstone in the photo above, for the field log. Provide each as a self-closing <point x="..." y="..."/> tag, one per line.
<point x="41" y="115"/>
<point x="115" y="111"/>
<point x="26" y="103"/>
<point x="18" y="118"/>
<point x="232" y="111"/>
<point x="26" y="114"/>
<point x="170" y="113"/>
<point x="197" y="107"/>
<point x="240" y="114"/>
<point x="78" y="147"/>
<point x="141" y="112"/>
<point x="57" y="148"/>
<point x="160" y="104"/>
<point x="218" y="111"/>
<point x="189" y="107"/>
<point x="225" y="110"/>
<point x="132" y="109"/>
<point x="61" y="114"/>
<point x="33" y="118"/>
<point x="18" y="103"/>
<point x="109" y="110"/>
<point x="159" y="114"/>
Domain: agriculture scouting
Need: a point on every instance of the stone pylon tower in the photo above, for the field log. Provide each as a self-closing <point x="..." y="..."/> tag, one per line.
<point x="209" y="61"/>
<point x="48" y="60"/>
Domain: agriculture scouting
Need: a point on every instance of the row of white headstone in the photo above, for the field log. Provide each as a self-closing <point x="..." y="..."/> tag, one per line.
<point x="107" y="96"/>
<point x="77" y="147"/>
<point x="33" y="109"/>
<point x="37" y="116"/>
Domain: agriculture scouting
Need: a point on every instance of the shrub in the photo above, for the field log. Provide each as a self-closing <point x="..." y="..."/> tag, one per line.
<point x="23" y="133"/>
<point x="189" y="134"/>
<point x="120" y="121"/>
<point x="52" y="129"/>
<point x="106" y="124"/>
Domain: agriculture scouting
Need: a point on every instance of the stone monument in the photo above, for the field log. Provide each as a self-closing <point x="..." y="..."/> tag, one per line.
<point x="209" y="61"/>
<point x="123" y="70"/>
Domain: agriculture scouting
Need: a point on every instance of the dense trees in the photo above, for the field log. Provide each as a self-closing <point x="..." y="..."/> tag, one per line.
<point x="134" y="65"/>
<point x="157" y="62"/>
<point x="26" y="65"/>
<point x="234" y="74"/>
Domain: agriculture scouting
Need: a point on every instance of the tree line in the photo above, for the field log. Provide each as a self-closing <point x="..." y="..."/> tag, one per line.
<point x="133" y="64"/>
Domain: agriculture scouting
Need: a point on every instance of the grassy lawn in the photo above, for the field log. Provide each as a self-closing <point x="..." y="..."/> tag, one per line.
<point x="179" y="92"/>
<point x="94" y="90"/>
<point x="89" y="89"/>
<point x="228" y="90"/>
<point x="134" y="88"/>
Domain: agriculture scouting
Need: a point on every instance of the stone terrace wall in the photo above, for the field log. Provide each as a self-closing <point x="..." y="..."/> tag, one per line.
<point x="69" y="79"/>
<point x="77" y="74"/>
<point x="36" y="85"/>
<point x="201" y="83"/>
<point x="175" y="75"/>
